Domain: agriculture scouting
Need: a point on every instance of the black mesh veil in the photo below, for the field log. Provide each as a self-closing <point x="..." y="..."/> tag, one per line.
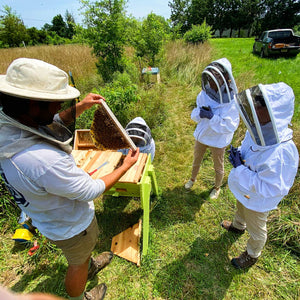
<point x="255" y="110"/>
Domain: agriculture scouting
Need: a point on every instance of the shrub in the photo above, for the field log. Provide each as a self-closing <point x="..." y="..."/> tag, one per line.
<point x="198" y="33"/>
<point x="118" y="95"/>
<point x="297" y="30"/>
<point x="150" y="37"/>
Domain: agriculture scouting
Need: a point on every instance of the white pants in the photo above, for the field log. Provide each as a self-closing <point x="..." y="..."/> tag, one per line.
<point x="256" y="224"/>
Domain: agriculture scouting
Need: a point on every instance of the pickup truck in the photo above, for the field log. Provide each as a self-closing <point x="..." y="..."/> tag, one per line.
<point x="277" y="42"/>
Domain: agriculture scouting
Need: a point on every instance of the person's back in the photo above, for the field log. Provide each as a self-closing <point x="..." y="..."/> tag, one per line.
<point x="59" y="195"/>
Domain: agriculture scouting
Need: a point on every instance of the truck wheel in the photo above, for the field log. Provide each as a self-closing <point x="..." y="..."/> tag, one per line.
<point x="262" y="54"/>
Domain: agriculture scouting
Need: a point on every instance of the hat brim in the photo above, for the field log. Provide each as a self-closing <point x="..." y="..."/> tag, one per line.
<point x="70" y="93"/>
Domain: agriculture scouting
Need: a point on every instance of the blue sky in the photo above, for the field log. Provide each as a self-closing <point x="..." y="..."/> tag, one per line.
<point x="36" y="13"/>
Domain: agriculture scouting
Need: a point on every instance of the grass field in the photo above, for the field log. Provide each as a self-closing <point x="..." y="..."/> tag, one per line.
<point x="189" y="253"/>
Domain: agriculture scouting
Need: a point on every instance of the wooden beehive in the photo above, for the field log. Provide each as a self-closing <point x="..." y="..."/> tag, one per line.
<point x="83" y="140"/>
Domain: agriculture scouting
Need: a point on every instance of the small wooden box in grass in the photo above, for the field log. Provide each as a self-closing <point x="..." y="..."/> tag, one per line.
<point x="151" y="75"/>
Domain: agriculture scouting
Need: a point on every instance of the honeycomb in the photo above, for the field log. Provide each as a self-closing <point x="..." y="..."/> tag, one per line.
<point x="105" y="133"/>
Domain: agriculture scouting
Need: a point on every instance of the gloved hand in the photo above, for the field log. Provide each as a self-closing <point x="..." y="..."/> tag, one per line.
<point x="235" y="157"/>
<point x="205" y="112"/>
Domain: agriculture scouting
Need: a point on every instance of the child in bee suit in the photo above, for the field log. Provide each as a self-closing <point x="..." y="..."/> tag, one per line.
<point x="265" y="165"/>
<point x="140" y="133"/>
<point x="217" y="119"/>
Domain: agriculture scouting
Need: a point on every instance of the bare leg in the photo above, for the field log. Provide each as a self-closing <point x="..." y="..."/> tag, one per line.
<point x="76" y="279"/>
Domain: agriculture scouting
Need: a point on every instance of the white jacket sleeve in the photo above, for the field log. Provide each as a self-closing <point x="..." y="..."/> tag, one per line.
<point x="195" y="115"/>
<point x="266" y="177"/>
<point x="225" y="122"/>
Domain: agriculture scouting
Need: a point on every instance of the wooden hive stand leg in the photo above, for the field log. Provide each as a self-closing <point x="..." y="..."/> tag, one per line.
<point x="145" y="191"/>
<point x="153" y="179"/>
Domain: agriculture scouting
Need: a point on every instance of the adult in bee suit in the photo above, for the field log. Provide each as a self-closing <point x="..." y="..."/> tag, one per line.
<point x="265" y="165"/>
<point x="37" y="166"/>
<point x="217" y="119"/>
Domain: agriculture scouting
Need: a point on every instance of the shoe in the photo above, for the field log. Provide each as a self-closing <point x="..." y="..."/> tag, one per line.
<point x="214" y="193"/>
<point x="229" y="227"/>
<point x="189" y="184"/>
<point x="98" y="263"/>
<point x="96" y="293"/>
<point x="243" y="261"/>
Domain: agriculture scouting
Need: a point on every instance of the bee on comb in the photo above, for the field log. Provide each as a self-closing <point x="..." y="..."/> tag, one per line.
<point x="107" y="132"/>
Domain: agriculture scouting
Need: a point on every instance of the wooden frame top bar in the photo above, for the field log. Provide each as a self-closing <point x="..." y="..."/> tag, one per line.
<point x="89" y="160"/>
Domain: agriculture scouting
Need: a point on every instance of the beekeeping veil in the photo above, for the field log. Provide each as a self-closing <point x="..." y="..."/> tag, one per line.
<point x="218" y="82"/>
<point x="255" y="107"/>
<point x="139" y="132"/>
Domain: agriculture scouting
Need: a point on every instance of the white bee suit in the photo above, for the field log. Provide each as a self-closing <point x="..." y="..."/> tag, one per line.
<point x="268" y="172"/>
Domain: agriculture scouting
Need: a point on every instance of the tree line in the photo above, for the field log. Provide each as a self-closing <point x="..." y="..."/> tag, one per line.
<point x="108" y="30"/>
<point x="254" y="15"/>
<point x="13" y="32"/>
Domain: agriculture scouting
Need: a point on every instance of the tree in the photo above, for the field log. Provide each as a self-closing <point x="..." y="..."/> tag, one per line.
<point x="12" y="31"/>
<point x="180" y="14"/>
<point x="70" y="22"/>
<point x="150" y="37"/>
<point x="105" y="32"/>
<point x="247" y="14"/>
<point x="59" y="26"/>
<point x="199" y="11"/>
<point x="254" y="15"/>
<point x="35" y="36"/>
<point x="280" y="14"/>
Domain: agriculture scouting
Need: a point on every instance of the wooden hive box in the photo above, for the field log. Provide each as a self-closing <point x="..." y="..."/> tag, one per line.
<point x="88" y="157"/>
<point x="83" y="140"/>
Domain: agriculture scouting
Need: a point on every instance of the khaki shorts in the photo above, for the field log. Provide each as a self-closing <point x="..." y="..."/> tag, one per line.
<point x="79" y="248"/>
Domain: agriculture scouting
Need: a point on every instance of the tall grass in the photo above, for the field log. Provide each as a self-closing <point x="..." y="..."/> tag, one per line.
<point x="75" y="58"/>
<point x="185" y="62"/>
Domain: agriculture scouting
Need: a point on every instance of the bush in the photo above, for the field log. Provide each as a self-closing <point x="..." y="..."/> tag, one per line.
<point x="296" y="30"/>
<point x="118" y="95"/>
<point x="198" y="34"/>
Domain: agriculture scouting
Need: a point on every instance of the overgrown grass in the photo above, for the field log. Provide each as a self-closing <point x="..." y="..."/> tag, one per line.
<point x="189" y="253"/>
<point x="75" y="58"/>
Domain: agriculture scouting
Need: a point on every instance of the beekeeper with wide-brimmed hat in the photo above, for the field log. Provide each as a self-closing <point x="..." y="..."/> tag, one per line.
<point x="38" y="169"/>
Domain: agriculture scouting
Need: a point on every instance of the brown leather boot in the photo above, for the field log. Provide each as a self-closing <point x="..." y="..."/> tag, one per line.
<point x="243" y="261"/>
<point x="229" y="227"/>
<point x="96" y="293"/>
<point x="98" y="263"/>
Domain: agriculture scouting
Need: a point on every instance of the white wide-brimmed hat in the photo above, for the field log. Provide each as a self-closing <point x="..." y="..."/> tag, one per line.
<point x="37" y="80"/>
